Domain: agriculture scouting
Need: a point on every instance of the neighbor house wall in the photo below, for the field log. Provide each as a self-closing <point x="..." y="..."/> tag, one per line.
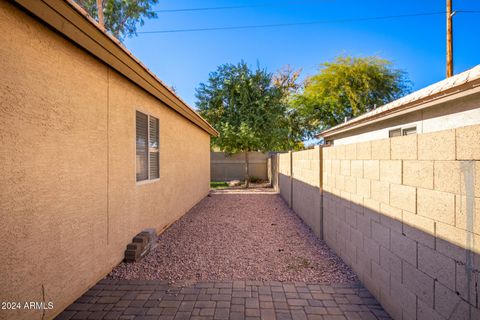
<point x="69" y="202"/>
<point x="224" y="167"/>
<point x="456" y="113"/>
<point x="404" y="213"/>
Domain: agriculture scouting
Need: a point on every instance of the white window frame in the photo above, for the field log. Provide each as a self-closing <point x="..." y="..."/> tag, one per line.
<point x="406" y="129"/>
<point x="392" y="130"/>
<point x="148" y="114"/>
<point x="402" y="130"/>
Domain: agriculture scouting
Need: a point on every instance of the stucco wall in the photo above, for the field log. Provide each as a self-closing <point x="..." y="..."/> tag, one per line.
<point x="460" y="112"/>
<point x="69" y="202"/>
<point x="405" y="214"/>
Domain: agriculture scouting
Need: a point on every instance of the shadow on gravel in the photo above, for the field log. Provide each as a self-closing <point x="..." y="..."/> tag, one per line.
<point x="239" y="234"/>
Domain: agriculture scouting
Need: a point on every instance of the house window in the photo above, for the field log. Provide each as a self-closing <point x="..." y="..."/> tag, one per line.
<point x="407" y="131"/>
<point x="147" y="147"/>
<point x="402" y="132"/>
<point x="395" y="133"/>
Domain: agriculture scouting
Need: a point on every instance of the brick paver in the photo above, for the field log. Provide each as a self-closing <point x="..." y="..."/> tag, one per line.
<point x="268" y="300"/>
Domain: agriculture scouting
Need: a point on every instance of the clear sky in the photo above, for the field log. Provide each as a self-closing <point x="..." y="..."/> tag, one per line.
<point x="414" y="44"/>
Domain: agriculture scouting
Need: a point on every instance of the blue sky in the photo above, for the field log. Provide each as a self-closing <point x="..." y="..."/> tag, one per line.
<point x="414" y="44"/>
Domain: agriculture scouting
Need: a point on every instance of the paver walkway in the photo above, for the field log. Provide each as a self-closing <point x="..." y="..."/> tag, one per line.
<point x="198" y="271"/>
<point x="153" y="299"/>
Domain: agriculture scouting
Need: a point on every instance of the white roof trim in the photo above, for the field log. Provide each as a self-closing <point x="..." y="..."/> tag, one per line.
<point x="433" y="91"/>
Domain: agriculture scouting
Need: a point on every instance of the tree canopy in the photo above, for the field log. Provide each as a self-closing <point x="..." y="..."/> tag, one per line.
<point x="121" y="16"/>
<point x="346" y="88"/>
<point x="246" y="108"/>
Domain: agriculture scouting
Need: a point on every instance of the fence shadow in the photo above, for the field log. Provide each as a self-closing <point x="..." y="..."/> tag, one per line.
<point x="412" y="271"/>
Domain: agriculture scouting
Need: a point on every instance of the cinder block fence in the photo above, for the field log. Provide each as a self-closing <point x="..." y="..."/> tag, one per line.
<point x="404" y="213"/>
<point x="299" y="182"/>
<point x="225" y="167"/>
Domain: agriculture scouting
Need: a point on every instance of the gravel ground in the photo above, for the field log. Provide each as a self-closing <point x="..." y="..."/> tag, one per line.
<point x="238" y="235"/>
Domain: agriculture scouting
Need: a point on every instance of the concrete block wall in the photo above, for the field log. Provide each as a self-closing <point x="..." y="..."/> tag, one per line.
<point x="299" y="183"/>
<point x="272" y="164"/>
<point x="404" y="213"/>
<point x="224" y="167"/>
<point x="284" y="176"/>
<point x="306" y="196"/>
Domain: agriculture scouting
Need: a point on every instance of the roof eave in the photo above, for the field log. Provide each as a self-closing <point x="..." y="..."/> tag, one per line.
<point x="464" y="89"/>
<point x="74" y="23"/>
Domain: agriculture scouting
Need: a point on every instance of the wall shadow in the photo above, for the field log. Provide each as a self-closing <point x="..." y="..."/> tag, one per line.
<point x="304" y="199"/>
<point x="412" y="271"/>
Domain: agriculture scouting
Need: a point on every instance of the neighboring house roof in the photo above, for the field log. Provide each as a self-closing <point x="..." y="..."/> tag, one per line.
<point x="467" y="82"/>
<point x="72" y="21"/>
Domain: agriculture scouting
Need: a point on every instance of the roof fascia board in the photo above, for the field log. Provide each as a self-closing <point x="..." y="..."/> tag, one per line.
<point x="442" y="97"/>
<point x="68" y="21"/>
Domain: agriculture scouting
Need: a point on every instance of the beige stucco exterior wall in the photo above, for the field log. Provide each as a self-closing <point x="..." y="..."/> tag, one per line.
<point x="69" y="202"/>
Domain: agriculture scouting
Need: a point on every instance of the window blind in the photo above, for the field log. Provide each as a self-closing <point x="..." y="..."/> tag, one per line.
<point x="154" y="148"/>
<point x="141" y="146"/>
<point x="395" y="133"/>
<point x="147" y="147"/>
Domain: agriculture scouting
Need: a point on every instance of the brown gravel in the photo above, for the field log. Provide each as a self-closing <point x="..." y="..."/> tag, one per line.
<point x="239" y="234"/>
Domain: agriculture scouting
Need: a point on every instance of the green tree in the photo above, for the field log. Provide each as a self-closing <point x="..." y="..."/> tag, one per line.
<point x="346" y="88"/>
<point x="246" y="108"/>
<point x="121" y="16"/>
<point x="287" y="81"/>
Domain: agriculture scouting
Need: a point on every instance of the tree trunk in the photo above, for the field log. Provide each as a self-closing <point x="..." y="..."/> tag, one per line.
<point x="101" y="21"/>
<point x="247" y="173"/>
